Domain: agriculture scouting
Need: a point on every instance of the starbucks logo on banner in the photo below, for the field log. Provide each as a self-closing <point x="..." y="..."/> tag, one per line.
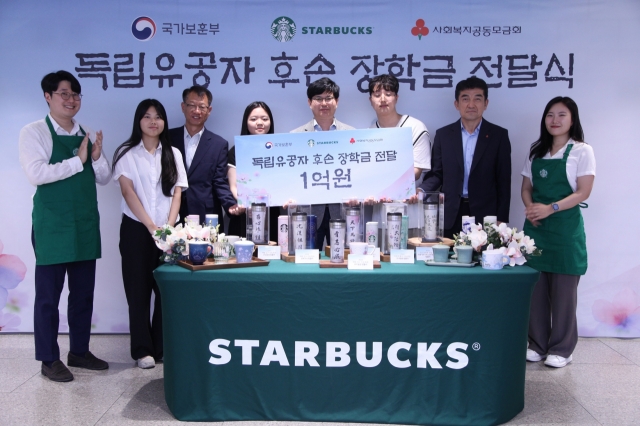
<point x="283" y="29"/>
<point x="311" y="143"/>
<point x="543" y="173"/>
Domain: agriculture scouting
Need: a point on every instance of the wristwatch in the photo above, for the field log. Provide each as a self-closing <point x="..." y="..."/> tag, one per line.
<point x="556" y="207"/>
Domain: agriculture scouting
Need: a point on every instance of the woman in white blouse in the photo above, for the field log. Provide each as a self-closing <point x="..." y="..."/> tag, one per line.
<point x="151" y="176"/>
<point x="558" y="176"/>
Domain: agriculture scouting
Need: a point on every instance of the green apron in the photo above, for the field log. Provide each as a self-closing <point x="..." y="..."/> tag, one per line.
<point x="561" y="235"/>
<point x="66" y="223"/>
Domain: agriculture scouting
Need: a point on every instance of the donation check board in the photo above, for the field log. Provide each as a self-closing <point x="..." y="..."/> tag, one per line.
<point x="326" y="167"/>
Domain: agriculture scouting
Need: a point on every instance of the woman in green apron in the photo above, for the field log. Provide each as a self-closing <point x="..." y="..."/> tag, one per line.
<point x="557" y="177"/>
<point x="151" y="176"/>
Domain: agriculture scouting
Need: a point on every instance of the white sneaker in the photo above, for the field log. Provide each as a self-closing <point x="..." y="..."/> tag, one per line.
<point x="146" y="362"/>
<point x="557" y="361"/>
<point x="533" y="356"/>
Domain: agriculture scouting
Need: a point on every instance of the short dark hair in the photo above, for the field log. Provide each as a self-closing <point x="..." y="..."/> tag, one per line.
<point x="51" y="81"/>
<point x="244" y="130"/>
<point x="198" y="90"/>
<point x="322" y="85"/>
<point x="384" y="82"/>
<point x="544" y="143"/>
<point x="472" y="82"/>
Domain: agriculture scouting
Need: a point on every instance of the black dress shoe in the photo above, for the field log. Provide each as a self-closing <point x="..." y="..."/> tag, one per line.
<point x="89" y="361"/>
<point x="58" y="372"/>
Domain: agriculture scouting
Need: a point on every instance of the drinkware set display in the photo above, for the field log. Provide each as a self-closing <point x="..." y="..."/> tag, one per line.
<point x="258" y="219"/>
<point x="432" y="217"/>
<point x="297" y="226"/>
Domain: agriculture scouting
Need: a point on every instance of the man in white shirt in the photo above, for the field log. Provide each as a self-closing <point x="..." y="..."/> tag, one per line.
<point x="323" y="95"/>
<point x="64" y="160"/>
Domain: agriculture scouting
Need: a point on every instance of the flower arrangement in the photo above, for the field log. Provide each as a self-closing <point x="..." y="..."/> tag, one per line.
<point x="173" y="240"/>
<point x="516" y="245"/>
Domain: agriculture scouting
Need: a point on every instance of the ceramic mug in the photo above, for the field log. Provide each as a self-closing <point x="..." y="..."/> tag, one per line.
<point x="192" y="219"/>
<point x="494" y="259"/>
<point x="440" y="253"/>
<point x="198" y="251"/>
<point x="361" y="248"/>
<point x="244" y="251"/>
<point x="465" y="253"/>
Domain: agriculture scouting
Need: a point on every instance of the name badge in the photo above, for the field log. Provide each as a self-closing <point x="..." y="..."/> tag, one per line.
<point x="308" y="256"/>
<point x="401" y="256"/>
<point x="269" y="252"/>
<point x="360" y="261"/>
<point x="424" y="253"/>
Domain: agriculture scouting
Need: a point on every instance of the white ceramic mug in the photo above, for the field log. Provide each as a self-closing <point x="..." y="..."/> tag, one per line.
<point x="494" y="259"/>
<point x="361" y="248"/>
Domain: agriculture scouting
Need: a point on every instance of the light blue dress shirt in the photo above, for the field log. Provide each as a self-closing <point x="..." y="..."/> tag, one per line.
<point x="469" y="141"/>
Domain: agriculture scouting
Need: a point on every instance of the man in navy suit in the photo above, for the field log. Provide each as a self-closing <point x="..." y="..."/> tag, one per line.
<point x="205" y="158"/>
<point x="471" y="161"/>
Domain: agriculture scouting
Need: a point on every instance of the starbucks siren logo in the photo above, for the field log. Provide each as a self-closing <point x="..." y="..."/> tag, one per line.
<point x="543" y="173"/>
<point x="283" y="29"/>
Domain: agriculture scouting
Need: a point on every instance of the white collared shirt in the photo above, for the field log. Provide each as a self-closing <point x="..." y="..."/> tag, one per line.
<point x="144" y="170"/>
<point x="317" y="128"/>
<point x="36" y="146"/>
<point x="581" y="162"/>
<point x="191" y="145"/>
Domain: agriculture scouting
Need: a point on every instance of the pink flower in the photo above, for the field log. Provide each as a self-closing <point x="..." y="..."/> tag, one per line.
<point x="12" y="272"/>
<point x="9" y="322"/>
<point x="622" y="312"/>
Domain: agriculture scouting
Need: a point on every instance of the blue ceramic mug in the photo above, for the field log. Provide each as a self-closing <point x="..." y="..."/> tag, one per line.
<point x="244" y="251"/>
<point x="198" y="251"/>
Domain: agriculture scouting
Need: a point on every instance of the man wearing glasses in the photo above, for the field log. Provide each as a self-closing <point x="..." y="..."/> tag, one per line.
<point x="205" y="158"/>
<point x="64" y="160"/>
<point x="323" y="97"/>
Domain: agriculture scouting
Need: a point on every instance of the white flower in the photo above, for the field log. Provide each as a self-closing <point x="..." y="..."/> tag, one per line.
<point x="515" y="256"/>
<point x="477" y="236"/>
<point x="528" y="243"/>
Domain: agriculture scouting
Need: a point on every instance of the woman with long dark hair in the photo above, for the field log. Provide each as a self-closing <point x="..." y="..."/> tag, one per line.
<point x="557" y="177"/>
<point x="151" y="176"/>
<point x="256" y="120"/>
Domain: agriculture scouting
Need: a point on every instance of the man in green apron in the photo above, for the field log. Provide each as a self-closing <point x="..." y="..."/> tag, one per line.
<point x="64" y="161"/>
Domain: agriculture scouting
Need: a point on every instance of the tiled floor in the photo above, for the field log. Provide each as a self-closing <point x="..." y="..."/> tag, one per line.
<point x="601" y="386"/>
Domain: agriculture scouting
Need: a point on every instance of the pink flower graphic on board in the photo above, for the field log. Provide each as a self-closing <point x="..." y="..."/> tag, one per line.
<point x="623" y="312"/>
<point x="12" y="272"/>
<point x="9" y="322"/>
<point x="17" y="300"/>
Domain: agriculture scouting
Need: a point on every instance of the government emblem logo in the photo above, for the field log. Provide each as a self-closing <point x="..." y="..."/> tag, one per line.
<point x="543" y="173"/>
<point x="283" y="29"/>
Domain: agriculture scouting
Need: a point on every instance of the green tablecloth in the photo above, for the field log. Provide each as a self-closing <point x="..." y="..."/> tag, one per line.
<point x="478" y="317"/>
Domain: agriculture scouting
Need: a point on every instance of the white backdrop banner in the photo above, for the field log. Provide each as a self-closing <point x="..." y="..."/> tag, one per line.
<point x="528" y="52"/>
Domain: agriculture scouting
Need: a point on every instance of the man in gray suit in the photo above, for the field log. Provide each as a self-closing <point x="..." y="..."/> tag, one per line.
<point x="323" y="97"/>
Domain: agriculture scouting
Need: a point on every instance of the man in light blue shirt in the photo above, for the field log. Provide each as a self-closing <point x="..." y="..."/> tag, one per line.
<point x="471" y="162"/>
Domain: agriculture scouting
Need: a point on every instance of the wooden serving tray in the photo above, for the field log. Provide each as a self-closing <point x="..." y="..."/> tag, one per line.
<point x="417" y="242"/>
<point x="233" y="263"/>
<point x="328" y="264"/>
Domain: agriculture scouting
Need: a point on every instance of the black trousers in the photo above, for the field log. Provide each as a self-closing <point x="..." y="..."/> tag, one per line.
<point x="553" y="327"/>
<point x="49" y="282"/>
<point x="140" y="257"/>
<point x="463" y="210"/>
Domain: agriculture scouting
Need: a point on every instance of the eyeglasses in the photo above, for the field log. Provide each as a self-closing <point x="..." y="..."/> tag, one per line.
<point x="193" y="107"/>
<point x="67" y="95"/>
<point x="320" y="99"/>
